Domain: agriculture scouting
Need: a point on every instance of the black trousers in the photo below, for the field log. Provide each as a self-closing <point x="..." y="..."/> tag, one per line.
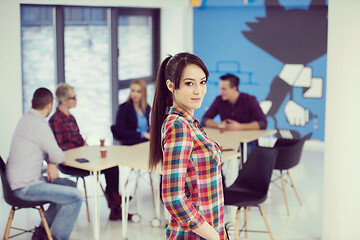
<point x="112" y="179"/>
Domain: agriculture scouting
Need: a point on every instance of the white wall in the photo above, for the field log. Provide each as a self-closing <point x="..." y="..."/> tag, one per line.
<point x="10" y="69"/>
<point x="342" y="131"/>
<point x="176" y="36"/>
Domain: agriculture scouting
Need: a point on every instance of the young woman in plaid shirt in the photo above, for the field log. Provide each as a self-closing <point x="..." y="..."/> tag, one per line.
<point x="191" y="184"/>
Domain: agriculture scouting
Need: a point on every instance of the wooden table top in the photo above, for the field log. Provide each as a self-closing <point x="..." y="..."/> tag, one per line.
<point x="231" y="139"/>
<point x="135" y="156"/>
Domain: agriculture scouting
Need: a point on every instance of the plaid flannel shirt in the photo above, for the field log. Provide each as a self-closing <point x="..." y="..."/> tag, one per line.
<point x="191" y="184"/>
<point x="66" y="130"/>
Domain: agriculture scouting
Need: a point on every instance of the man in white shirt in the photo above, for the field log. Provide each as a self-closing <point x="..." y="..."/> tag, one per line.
<point x="32" y="143"/>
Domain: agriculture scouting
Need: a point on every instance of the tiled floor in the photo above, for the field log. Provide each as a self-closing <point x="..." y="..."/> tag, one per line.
<point x="304" y="223"/>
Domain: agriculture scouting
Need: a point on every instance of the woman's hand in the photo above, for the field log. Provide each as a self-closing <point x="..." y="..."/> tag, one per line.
<point x="207" y="231"/>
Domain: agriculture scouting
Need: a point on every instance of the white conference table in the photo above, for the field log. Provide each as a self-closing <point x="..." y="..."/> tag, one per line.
<point x="135" y="156"/>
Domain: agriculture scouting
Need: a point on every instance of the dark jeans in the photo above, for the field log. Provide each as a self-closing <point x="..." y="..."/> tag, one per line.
<point x="65" y="204"/>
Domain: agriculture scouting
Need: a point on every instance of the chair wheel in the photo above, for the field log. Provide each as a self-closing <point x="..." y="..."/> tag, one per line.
<point x="155" y="222"/>
<point x="135" y="218"/>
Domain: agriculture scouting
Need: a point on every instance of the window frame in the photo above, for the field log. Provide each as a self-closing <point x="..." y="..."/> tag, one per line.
<point x="112" y="19"/>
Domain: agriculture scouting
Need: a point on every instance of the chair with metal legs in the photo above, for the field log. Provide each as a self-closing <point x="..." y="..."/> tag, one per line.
<point x="251" y="186"/>
<point x="17" y="204"/>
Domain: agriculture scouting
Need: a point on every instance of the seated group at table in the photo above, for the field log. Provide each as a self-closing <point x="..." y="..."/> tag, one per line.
<point x="36" y="140"/>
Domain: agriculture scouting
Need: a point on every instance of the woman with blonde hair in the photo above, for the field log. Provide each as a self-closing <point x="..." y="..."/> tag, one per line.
<point x="132" y="119"/>
<point x="191" y="181"/>
<point x="67" y="134"/>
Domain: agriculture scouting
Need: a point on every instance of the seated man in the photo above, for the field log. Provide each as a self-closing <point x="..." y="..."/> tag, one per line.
<point x="32" y="143"/>
<point x="237" y="110"/>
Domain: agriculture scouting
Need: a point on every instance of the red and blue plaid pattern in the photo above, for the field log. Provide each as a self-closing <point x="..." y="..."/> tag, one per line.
<point x="192" y="184"/>
<point x="66" y="130"/>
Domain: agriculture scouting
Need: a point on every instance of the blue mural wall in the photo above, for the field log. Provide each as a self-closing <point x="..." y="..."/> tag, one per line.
<point x="277" y="49"/>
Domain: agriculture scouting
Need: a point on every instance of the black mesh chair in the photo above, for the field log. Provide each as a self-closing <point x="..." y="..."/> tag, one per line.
<point x="113" y="131"/>
<point x="289" y="156"/>
<point x="115" y="136"/>
<point x="251" y="186"/>
<point x="17" y="204"/>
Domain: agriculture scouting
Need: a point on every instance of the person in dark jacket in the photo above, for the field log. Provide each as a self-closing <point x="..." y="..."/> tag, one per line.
<point x="132" y="119"/>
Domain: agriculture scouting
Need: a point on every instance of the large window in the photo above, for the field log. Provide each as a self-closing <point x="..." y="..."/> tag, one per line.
<point x="135" y="47"/>
<point x="98" y="50"/>
<point x="86" y="44"/>
<point x="37" y="51"/>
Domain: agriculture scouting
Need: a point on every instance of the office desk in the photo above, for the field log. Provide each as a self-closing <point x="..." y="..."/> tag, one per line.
<point x="135" y="156"/>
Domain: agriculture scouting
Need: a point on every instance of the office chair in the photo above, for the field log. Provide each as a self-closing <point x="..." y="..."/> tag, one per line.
<point x="251" y="186"/>
<point x="16" y="204"/>
<point x="115" y="136"/>
<point x="289" y="156"/>
<point x="113" y="131"/>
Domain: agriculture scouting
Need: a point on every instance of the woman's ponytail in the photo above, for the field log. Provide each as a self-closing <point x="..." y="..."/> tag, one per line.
<point x="162" y="99"/>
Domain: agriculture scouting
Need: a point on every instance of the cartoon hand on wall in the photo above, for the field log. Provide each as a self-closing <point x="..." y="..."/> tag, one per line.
<point x="298" y="75"/>
<point x="296" y="114"/>
<point x="290" y="36"/>
<point x="291" y="76"/>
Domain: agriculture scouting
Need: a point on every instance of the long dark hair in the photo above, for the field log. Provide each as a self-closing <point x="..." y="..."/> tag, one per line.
<point x="171" y="68"/>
